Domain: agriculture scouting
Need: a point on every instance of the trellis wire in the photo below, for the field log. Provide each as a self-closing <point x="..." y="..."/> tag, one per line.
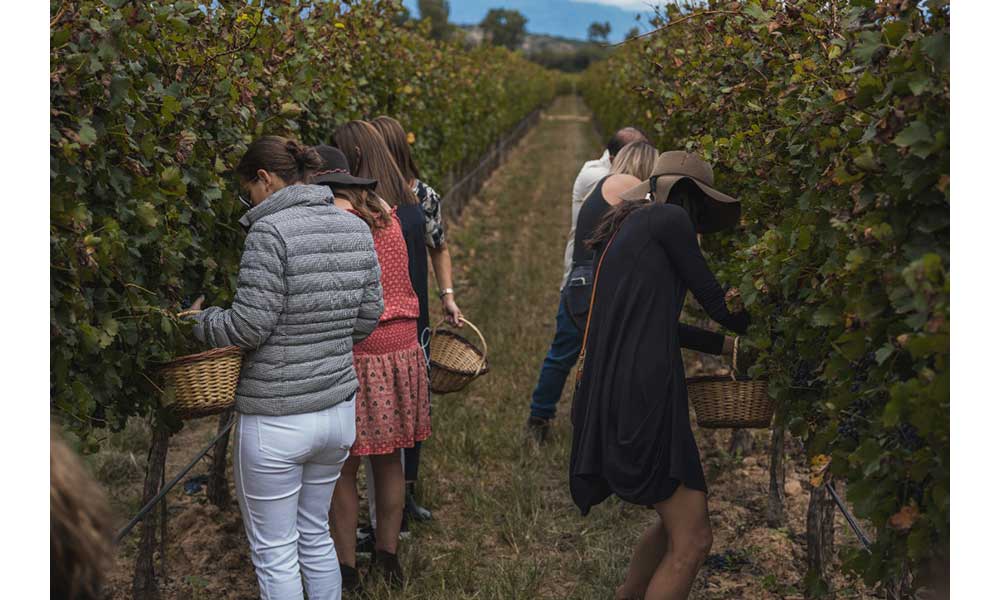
<point x="164" y="490"/>
<point x="459" y="193"/>
<point x="850" y="519"/>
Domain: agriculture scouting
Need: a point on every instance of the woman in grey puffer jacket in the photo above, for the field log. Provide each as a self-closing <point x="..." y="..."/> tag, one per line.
<point x="308" y="288"/>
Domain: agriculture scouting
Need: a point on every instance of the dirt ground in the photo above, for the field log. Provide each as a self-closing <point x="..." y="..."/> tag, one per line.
<point x="505" y="526"/>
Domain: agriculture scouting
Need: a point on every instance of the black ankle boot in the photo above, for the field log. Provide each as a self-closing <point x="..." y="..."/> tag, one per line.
<point x="413" y="510"/>
<point x="350" y="577"/>
<point x="538" y="429"/>
<point x="386" y="564"/>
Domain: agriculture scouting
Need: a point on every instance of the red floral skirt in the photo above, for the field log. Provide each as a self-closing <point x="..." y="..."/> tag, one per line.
<point x="393" y="405"/>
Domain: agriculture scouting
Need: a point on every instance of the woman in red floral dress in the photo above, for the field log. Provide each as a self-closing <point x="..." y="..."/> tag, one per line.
<point x="393" y="401"/>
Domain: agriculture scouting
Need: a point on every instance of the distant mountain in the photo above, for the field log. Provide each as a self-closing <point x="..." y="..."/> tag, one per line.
<point x="533" y="43"/>
<point x="567" y="19"/>
<point x="549" y="51"/>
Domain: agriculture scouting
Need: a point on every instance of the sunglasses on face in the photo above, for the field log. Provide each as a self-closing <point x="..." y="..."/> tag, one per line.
<point x="244" y="196"/>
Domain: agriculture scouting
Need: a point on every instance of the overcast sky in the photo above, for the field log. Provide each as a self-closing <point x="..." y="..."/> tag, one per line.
<point x="564" y="18"/>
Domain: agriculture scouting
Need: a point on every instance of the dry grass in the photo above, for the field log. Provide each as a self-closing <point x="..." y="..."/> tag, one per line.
<point x="505" y="526"/>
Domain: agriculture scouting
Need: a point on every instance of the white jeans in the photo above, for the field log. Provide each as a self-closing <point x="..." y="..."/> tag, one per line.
<point x="285" y="469"/>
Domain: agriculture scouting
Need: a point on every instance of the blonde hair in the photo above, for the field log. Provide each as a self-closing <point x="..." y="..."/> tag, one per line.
<point x="636" y="159"/>
<point x="80" y="530"/>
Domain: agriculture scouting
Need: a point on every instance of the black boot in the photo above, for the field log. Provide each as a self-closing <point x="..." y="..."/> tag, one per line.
<point x="387" y="566"/>
<point x="350" y="577"/>
<point x="538" y="429"/>
<point x="413" y="510"/>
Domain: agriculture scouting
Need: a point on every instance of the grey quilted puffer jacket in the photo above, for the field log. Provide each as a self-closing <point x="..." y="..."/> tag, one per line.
<point x="308" y="288"/>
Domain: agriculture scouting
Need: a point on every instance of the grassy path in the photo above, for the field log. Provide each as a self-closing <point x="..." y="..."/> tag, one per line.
<point x="505" y="525"/>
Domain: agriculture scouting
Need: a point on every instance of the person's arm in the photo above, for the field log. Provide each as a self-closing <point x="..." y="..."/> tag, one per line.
<point x="671" y="227"/>
<point x="441" y="263"/>
<point x="371" y="305"/>
<point x="260" y="295"/>
<point x="568" y="257"/>
<point x="700" y="340"/>
<point x="437" y="247"/>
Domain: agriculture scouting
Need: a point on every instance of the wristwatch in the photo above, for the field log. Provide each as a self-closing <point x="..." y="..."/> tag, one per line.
<point x="445" y="292"/>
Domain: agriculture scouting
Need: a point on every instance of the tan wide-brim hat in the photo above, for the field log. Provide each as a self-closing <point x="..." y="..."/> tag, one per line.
<point x="721" y="211"/>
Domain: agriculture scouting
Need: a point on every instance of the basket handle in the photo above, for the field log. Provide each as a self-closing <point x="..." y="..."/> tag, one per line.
<point x="474" y="328"/>
<point x="736" y="354"/>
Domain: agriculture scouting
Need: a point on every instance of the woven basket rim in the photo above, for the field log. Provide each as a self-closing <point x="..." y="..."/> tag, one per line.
<point x="735" y="423"/>
<point x="484" y="368"/>
<point x="200" y="356"/>
<point x="723" y="379"/>
<point x="481" y="371"/>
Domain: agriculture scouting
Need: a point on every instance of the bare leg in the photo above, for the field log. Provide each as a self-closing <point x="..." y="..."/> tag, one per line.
<point x="370" y="491"/>
<point x="652" y="547"/>
<point x="685" y="516"/>
<point x="344" y="513"/>
<point x="389" y="499"/>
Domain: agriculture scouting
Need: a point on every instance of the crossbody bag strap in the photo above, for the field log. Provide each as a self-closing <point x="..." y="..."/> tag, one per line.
<point x="593" y="294"/>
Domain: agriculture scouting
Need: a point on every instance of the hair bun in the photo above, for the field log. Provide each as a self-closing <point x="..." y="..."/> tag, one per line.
<point x="306" y="158"/>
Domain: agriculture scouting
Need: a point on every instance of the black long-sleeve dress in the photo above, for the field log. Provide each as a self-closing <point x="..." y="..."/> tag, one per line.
<point x="631" y="430"/>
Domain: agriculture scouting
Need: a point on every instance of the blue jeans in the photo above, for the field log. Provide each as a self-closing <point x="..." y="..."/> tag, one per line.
<point x="563" y="353"/>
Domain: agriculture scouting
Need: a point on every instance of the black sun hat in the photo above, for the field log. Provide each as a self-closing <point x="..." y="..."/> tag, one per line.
<point x="335" y="170"/>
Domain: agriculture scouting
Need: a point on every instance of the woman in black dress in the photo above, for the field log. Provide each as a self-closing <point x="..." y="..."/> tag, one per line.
<point x="631" y="430"/>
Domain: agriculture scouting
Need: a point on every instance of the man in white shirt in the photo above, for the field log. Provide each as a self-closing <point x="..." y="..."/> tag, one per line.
<point x="566" y="344"/>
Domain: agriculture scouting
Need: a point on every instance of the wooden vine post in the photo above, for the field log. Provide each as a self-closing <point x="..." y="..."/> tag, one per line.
<point x="819" y="540"/>
<point x="218" y="483"/>
<point x="144" y="580"/>
<point x="775" y="515"/>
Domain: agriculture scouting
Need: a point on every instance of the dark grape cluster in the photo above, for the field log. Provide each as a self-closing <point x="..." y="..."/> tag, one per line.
<point x="855" y="418"/>
<point x="863" y="365"/>
<point x="847" y="429"/>
<point x="862" y="404"/>
<point x="804" y="375"/>
<point x="904" y="436"/>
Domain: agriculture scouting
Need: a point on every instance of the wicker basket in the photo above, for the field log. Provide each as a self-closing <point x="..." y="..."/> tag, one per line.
<point x="198" y="385"/>
<point x="203" y="384"/>
<point x="726" y="403"/>
<point x="730" y="402"/>
<point x="455" y="361"/>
